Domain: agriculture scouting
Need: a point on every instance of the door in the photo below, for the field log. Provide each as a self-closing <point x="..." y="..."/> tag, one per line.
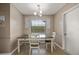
<point x="72" y="31"/>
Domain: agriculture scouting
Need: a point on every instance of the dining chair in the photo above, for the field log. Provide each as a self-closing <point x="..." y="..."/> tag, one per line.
<point x="54" y="37"/>
<point x="49" y="41"/>
<point x="34" y="44"/>
<point x="21" y="40"/>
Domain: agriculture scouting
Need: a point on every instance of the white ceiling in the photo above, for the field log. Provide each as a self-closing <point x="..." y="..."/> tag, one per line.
<point x="30" y="8"/>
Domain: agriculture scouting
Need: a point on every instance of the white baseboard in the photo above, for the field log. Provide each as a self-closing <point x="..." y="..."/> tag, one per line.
<point x="14" y="50"/>
<point x="5" y="53"/>
<point x="58" y="45"/>
<point x="9" y="53"/>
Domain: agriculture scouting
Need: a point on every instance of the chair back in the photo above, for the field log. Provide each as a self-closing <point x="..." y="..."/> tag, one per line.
<point x="54" y="34"/>
<point x="33" y="35"/>
<point x="34" y="41"/>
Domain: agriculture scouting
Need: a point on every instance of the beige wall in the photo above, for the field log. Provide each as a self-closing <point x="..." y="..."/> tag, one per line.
<point x="58" y="23"/>
<point x="49" y="25"/>
<point x="16" y="26"/>
<point x="5" y="28"/>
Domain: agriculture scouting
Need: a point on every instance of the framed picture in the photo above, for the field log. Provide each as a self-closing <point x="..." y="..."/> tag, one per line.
<point x="2" y="19"/>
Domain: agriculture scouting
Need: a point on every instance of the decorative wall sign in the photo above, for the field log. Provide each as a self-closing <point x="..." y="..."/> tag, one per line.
<point x="2" y="19"/>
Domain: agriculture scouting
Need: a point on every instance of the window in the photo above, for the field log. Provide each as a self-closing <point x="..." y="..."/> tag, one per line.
<point x="38" y="26"/>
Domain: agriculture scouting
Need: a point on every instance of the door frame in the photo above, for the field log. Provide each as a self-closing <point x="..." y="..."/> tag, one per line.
<point x="64" y="24"/>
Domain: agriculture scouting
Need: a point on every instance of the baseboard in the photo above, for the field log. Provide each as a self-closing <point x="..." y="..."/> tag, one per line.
<point x="66" y="53"/>
<point x="9" y="53"/>
<point x="5" y="53"/>
<point x="58" y="45"/>
<point x="14" y="50"/>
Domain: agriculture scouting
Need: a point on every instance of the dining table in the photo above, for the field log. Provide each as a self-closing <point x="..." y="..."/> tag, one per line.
<point x="40" y="39"/>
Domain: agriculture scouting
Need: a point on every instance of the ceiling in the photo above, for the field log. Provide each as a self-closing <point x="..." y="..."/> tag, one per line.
<point x="30" y="8"/>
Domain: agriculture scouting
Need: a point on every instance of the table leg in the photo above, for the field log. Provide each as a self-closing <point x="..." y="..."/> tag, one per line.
<point x="18" y="46"/>
<point x="51" y="46"/>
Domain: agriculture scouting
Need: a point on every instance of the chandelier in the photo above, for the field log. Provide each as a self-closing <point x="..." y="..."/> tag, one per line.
<point x="38" y="12"/>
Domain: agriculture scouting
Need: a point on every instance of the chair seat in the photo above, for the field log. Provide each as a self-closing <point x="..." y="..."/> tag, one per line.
<point x="34" y="44"/>
<point x="47" y="40"/>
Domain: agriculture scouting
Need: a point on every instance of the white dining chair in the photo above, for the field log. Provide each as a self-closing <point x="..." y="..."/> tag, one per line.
<point x="49" y="41"/>
<point x="34" y="44"/>
<point x="54" y="37"/>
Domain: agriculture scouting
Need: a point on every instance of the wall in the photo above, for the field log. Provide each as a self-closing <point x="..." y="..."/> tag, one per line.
<point x="49" y="25"/>
<point x="5" y="29"/>
<point x="58" y="23"/>
<point x="16" y="26"/>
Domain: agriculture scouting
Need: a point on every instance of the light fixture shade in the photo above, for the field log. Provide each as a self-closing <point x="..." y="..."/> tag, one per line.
<point x="35" y="13"/>
<point x="41" y="11"/>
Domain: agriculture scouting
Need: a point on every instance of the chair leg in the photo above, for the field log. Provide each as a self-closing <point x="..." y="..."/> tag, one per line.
<point x="39" y="50"/>
<point x="30" y="51"/>
<point x="46" y="45"/>
<point x="54" y="46"/>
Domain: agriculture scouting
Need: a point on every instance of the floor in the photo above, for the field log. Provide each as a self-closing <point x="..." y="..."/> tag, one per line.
<point x="42" y="51"/>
